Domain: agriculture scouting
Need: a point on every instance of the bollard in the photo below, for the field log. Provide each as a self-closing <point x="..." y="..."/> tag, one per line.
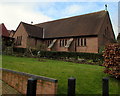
<point x="71" y="86"/>
<point x="31" y="87"/>
<point x="105" y="87"/>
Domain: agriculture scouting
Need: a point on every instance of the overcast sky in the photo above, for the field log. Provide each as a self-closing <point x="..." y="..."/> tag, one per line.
<point x="13" y="12"/>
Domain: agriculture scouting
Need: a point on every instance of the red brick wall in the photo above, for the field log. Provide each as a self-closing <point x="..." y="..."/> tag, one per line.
<point x="91" y="46"/>
<point x="27" y="41"/>
<point x="18" y="80"/>
<point x="21" y="32"/>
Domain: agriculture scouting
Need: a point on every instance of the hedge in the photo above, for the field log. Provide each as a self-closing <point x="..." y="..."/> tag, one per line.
<point x="58" y="55"/>
<point x="19" y="50"/>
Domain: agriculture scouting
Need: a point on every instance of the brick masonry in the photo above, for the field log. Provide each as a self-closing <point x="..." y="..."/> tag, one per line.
<point x="18" y="80"/>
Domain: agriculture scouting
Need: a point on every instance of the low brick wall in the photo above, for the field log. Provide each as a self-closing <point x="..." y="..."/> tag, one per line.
<point x="18" y="80"/>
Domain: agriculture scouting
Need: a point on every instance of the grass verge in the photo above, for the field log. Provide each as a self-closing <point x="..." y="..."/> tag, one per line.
<point x="88" y="77"/>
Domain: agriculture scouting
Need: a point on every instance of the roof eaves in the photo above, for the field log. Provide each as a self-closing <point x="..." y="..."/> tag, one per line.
<point x="95" y="35"/>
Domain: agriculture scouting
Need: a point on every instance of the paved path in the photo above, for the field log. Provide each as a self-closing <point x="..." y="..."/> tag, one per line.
<point x="6" y="89"/>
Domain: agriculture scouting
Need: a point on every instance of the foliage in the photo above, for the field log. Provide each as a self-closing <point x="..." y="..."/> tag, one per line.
<point x="19" y="50"/>
<point x="64" y="55"/>
<point x="7" y="45"/>
<point x="0" y="45"/>
<point x="101" y="49"/>
<point x="112" y="60"/>
<point x="41" y="47"/>
<point x="58" y="55"/>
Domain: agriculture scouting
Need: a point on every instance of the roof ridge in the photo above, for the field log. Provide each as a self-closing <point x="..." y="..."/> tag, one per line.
<point x="30" y="24"/>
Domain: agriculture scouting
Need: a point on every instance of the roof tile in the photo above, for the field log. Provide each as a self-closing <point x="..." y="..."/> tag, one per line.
<point x="88" y="24"/>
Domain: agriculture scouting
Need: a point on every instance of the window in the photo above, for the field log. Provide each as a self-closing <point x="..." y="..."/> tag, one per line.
<point x="18" y="40"/>
<point x="16" y="43"/>
<point x="84" y="41"/>
<point x="60" y="43"/>
<point x="78" y="42"/>
<point x="63" y="42"/>
<point x="81" y="41"/>
<point x="49" y="42"/>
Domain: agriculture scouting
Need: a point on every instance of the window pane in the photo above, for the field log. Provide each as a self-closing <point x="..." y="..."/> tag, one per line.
<point x="78" y="42"/>
<point x="20" y="40"/>
<point x="65" y="42"/>
<point x="60" y="43"/>
<point x="84" y="41"/>
<point x="81" y="41"/>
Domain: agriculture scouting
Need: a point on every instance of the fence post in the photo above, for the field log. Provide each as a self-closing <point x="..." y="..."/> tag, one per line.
<point x="71" y="86"/>
<point x="31" y="87"/>
<point x="105" y="87"/>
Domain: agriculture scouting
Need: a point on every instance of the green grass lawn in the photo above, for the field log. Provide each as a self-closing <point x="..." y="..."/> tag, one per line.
<point x="88" y="77"/>
<point x="0" y="61"/>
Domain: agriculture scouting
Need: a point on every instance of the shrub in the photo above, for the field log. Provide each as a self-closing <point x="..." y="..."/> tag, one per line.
<point x="19" y="50"/>
<point x="112" y="60"/>
<point x="58" y="55"/>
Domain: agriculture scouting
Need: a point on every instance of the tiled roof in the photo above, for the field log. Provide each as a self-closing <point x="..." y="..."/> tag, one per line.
<point x="88" y="24"/>
<point x="33" y="31"/>
<point x="3" y="30"/>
